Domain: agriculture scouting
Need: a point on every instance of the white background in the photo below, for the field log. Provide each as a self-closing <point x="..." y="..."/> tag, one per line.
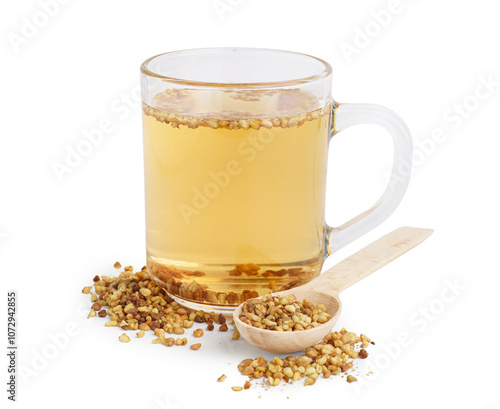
<point x="81" y="65"/>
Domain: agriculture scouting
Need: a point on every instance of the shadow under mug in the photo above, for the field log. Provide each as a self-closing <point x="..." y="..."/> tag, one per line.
<point x="235" y="153"/>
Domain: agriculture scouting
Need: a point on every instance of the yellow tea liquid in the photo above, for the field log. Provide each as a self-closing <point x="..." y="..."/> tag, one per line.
<point x="235" y="192"/>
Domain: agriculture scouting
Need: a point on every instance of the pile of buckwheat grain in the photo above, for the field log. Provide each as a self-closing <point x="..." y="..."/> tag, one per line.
<point x="332" y="356"/>
<point x="134" y="302"/>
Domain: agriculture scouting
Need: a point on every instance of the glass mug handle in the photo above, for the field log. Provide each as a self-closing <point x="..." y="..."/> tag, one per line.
<point x="347" y="115"/>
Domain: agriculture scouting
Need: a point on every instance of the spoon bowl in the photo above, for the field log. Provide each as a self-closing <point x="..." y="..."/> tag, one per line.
<point x="292" y="341"/>
<point x="326" y="288"/>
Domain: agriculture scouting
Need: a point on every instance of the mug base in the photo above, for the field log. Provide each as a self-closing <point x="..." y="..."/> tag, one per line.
<point x="221" y="288"/>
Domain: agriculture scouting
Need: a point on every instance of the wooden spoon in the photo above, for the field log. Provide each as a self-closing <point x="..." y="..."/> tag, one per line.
<point x="325" y="290"/>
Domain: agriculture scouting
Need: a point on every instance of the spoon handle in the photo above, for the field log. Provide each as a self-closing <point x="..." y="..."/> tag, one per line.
<point x="370" y="259"/>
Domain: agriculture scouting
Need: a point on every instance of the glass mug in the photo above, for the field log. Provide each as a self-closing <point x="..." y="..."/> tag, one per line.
<point x="235" y="152"/>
